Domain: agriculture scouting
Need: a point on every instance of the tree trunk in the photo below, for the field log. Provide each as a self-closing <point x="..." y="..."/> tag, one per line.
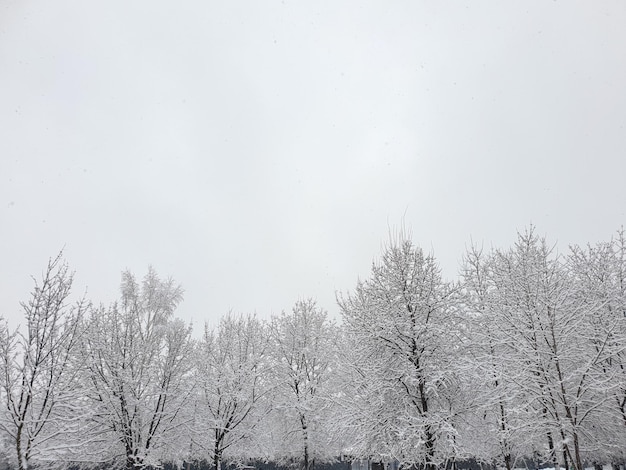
<point x="22" y="462"/>
<point x="505" y="441"/>
<point x="428" y="434"/>
<point x="579" y="462"/>
<point x="217" y="459"/>
<point x="430" y="449"/>
<point x="553" y="457"/>
<point x="306" y="465"/>
<point x="133" y="462"/>
<point x="507" y="461"/>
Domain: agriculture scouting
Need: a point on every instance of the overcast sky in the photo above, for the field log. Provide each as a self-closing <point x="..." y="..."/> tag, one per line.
<point x="259" y="152"/>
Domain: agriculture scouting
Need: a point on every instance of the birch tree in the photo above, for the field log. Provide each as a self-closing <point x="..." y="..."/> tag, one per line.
<point x="37" y="369"/>
<point x="138" y="363"/>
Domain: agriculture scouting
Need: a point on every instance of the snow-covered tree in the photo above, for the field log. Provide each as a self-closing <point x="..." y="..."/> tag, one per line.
<point x="139" y="359"/>
<point x="303" y="348"/>
<point x="495" y="430"/>
<point x="403" y="334"/>
<point x="232" y="379"/>
<point x="545" y="324"/>
<point x="38" y="369"/>
<point x="600" y="275"/>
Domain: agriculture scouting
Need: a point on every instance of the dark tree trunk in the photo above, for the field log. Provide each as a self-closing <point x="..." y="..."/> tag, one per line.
<point x="553" y="457"/>
<point x="307" y="464"/>
<point x="134" y="462"/>
<point x="18" y="446"/>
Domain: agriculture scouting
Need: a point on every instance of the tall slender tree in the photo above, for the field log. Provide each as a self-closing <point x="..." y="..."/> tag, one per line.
<point x="232" y="376"/>
<point x="546" y="326"/>
<point x="304" y="353"/>
<point x="599" y="272"/>
<point x="497" y="430"/>
<point x="37" y="369"/>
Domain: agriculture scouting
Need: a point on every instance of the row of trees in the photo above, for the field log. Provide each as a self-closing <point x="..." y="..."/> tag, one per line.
<point x="127" y="384"/>
<point x="522" y="357"/>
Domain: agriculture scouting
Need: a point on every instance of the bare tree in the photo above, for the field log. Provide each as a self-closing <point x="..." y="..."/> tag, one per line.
<point x="496" y="429"/>
<point x="549" y="340"/>
<point x="37" y="368"/>
<point x="600" y="275"/>
<point x="138" y="362"/>
<point x="303" y="348"/>
<point x="233" y="379"/>
<point x="399" y="320"/>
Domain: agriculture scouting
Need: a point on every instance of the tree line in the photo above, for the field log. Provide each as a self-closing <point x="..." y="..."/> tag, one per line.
<point x="522" y="357"/>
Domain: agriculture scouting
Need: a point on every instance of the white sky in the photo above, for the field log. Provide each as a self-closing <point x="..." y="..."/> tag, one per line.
<point x="258" y="152"/>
